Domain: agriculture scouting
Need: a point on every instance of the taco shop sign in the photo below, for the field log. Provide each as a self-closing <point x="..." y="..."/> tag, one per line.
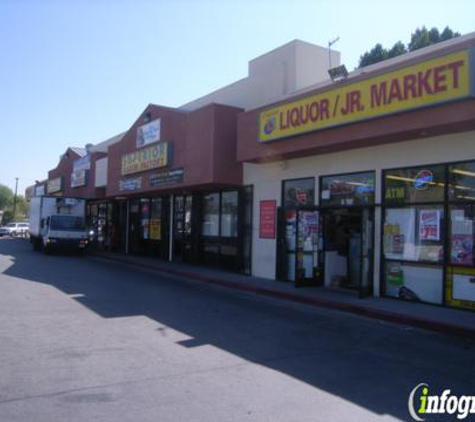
<point x="424" y="84"/>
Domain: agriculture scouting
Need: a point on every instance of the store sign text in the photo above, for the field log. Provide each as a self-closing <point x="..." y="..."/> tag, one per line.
<point x="78" y="178"/>
<point x="40" y="190"/>
<point x="146" y="159"/>
<point x="130" y="184"/>
<point x="148" y="133"/>
<point x="432" y="82"/>
<point x="55" y="185"/>
<point x="83" y="163"/>
<point x="166" y="178"/>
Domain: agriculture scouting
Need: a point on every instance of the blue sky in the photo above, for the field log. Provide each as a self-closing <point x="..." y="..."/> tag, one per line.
<point x="77" y="72"/>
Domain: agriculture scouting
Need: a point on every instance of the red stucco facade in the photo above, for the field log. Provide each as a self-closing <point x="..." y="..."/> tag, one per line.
<point x="203" y="144"/>
<point x="64" y="170"/>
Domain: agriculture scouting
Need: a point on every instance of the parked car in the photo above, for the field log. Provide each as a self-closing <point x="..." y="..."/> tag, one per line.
<point x="15" y="229"/>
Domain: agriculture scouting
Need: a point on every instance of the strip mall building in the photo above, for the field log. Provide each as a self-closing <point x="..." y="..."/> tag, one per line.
<point x="366" y="184"/>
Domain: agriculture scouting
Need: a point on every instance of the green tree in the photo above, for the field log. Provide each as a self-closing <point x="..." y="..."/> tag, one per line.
<point x="398" y="49"/>
<point x="423" y="38"/>
<point x="419" y="39"/>
<point x="448" y="34"/>
<point x="377" y="54"/>
<point x="6" y="197"/>
<point x="22" y="208"/>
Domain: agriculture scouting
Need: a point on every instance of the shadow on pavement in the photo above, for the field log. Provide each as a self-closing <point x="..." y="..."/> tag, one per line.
<point x="371" y="364"/>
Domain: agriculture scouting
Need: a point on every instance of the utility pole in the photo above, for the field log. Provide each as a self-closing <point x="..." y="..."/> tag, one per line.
<point x="14" y="198"/>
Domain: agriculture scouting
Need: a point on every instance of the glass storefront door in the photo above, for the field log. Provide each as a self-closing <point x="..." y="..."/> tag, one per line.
<point x="331" y="247"/>
<point x="308" y="264"/>
<point x="348" y="248"/>
<point x="299" y="257"/>
<point x="182" y="228"/>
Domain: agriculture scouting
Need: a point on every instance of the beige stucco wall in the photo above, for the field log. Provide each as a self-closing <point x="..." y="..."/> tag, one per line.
<point x="273" y="76"/>
<point x="267" y="180"/>
<point x="101" y="173"/>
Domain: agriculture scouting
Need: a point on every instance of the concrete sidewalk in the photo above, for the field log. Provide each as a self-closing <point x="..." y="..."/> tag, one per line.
<point x="429" y="317"/>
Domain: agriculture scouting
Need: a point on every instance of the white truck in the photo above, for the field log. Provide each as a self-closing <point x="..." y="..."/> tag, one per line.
<point x="58" y="223"/>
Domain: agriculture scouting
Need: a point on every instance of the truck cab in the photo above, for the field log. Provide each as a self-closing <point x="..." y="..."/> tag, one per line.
<point x="58" y="223"/>
<point x="64" y="232"/>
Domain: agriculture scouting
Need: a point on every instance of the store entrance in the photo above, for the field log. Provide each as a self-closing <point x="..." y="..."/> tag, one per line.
<point x="331" y="247"/>
<point x="299" y="243"/>
<point x="348" y="248"/>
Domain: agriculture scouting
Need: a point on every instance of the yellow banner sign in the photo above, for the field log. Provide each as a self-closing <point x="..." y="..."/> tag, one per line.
<point x="146" y="159"/>
<point x="155" y="229"/>
<point x="434" y="81"/>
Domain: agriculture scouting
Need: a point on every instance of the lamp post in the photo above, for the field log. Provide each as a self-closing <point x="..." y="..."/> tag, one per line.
<point x="14" y="198"/>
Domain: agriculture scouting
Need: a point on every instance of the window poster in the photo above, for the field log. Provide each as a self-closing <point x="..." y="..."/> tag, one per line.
<point x="155" y="229"/>
<point x="308" y="226"/>
<point x="145" y="228"/>
<point x="429" y="225"/>
<point x="394" y="274"/>
<point x="393" y="239"/>
<point x="461" y="240"/>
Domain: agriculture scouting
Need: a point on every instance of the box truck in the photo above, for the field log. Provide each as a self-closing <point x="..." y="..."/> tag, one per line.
<point x="58" y="223"/>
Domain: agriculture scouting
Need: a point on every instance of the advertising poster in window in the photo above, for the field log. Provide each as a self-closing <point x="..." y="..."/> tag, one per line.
<point x="308" y="240"/>
<point x="308" y="228"/>
<point x="145" y="228"/>
<point x="429" y="225"/>
<point x="155" y="229"/>
<point x="461" y="240"/>
<point x="394" y="274"/>
<point x="267" y="219"/>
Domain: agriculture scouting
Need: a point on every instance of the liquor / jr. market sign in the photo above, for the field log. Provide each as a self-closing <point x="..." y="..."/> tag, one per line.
<point x="435" y="81"/>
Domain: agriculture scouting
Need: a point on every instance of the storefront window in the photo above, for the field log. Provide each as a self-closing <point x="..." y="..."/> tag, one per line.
<point x="188" y="211"/>
<point x="179" y="216"/>
<point x="299" y="192"/>
<point x="145" y="217"/>
<point x="229" y="214"/>
<point x="462" y="182"/>
<point x="414" y="234"/>
<point x="219" y="228"/>
<point x="413" y="282"/>
<point x="348" y="189"/>
<point x="156" y="219"/>
<point x="413" y="185"/>
<point x="210" y="215"/>
<point x="462" y="240"/>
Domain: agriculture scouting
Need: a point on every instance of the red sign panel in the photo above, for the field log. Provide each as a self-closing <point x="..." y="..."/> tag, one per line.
<point x="267" y="219"/>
